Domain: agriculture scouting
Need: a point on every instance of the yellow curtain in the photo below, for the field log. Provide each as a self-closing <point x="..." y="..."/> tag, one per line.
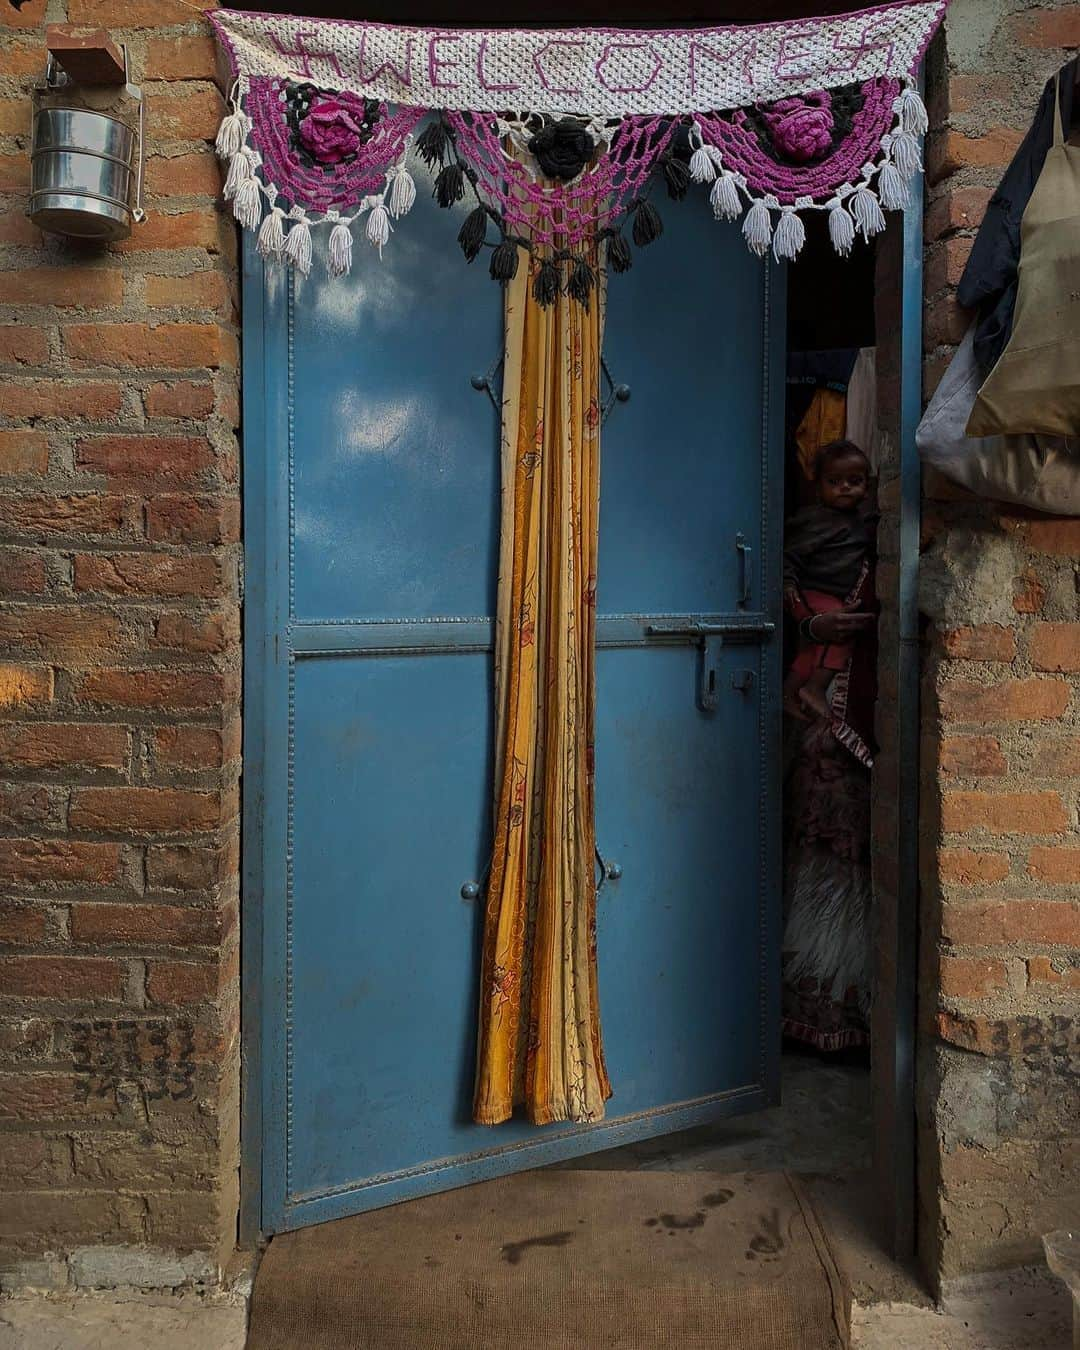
<point x="825" y="421"/>
<point x="539" y="1039"/>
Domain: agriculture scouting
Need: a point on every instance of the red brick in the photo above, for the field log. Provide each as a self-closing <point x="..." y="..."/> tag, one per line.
<point x="992" y="923"/>
<point x="141" y="574"/>
<point x="191" y="748"/>
<point x="145" y="925"/>
<point x="945" y="263"/>
<point x="175" y="346"/>
<point x="944" y="322"/>
<point x="141" y="810"/>
<point x="159" y="688"/>
<point x="968" y="1033"/>
<point x="966" y="977"/>
<point x="31" y="15"/>
<point x="42" y="860"/>
<point x="1004" y="812"/>
<point x="195" y="175"/>
<point x="15" y="117"/>
<point x="958" y="209"/>
<point x="205" y="634"/>
<point x="206" y="229"/>
<point x="47" y="397"/>
<point x="176" y="983"/>
<point x="1057" y="535"/>
<point x="24" y="452"/>
<point x="72" y="633"/>
<point x="183" y="399"/>
<point x="1056" y="646"/>
<point x="26" y="1038"/>
<point x="16" y="229"/>
<point x="1008" y="701"/>
<point x="51" y="1096"/>
<point x="20" y="60"/>
<point x="971" y="757"/>
<point x="14" y="169"/>
<point x="194" y="520"/>
<point x="949" y="151"/>
<point x="65" y="287"/>
<point x="21" y="569"/>
<point x="21" y="685"/>
<point x="1030" y="593"/>
<point x="1059" y="866"/>
<point x="61" y="977"/>
<point x="193" y="115"/>
<point x="1048" y="28"/>
<point x="45" y="514"/>
<point x="180" y="58"/>
<point x="20" y="346"/>
<point x="112" y="14"/>
<point x="21" y="924"/>
<point x="189" y="867"/>
<point x="63" y="745"/>
<point x="31" y="807"/>
<point x="1056" y="759"/>
<point x="1041" y="971"/>
<point x="197" y="290"/>
<point x="966" y="867"/>
<point x="145" y="456"/>
<point x="981" y="642"/>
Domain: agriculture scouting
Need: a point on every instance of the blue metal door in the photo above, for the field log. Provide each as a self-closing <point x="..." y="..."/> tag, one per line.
<point x="372" y="488"/>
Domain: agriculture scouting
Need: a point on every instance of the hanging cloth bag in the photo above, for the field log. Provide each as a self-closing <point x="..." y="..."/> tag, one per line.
<point x="1035" y="385"/>
<point x="1042" y="472"/>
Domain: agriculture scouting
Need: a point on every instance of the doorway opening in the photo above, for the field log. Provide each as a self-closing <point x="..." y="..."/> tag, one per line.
<point x="842" y="1116"/>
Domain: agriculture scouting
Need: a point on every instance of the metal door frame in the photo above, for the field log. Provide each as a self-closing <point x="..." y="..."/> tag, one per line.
<point x="265" y="749"/>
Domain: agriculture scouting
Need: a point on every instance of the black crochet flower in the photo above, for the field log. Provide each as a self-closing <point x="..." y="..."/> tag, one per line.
<point x="562" y="148"/>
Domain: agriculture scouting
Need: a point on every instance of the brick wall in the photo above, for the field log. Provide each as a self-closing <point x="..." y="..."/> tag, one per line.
<point x="1000" y="977"/>
<point x="119" y="682"/>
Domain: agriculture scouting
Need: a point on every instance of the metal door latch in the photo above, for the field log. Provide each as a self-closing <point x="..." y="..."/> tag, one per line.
<point x="709" y="638"/>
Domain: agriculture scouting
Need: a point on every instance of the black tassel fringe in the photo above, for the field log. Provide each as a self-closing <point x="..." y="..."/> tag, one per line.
<point x="432" y="143"/>
<point x="677" y="178"/>
<point x="546" y="283"/>
<point x="504" y="261"/>
<point x="580" y="284"/>
<point x="472" y="232"/>
<point x="449" y="185"/>
<point x="619" y="257"/>
<point x="647" y="224"/>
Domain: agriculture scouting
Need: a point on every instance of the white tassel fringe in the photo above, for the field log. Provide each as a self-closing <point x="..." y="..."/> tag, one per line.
<point x="247" y="203"/>
<point x="271" y="239"/>
<point x="339" y="251"/>
<point x="241" y="167"/>
<point x="725" y="198"/>
<point x="378" y="227"/>
<point x="913" y="116"/>
<point x="297" y="248"/>
<point x="789" y="237"/>
<point x="867" y="212"/>
<point x="841" y="230"/>
<point x="230" y="135"/>
<point x="891" y="187"/>
<point x="757" y="229"/>
<point x="402" y="191"/>
<point x="905" y="153"/>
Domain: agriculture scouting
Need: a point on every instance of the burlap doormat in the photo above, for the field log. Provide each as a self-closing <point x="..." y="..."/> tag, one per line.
<point x="566" y="1260"/>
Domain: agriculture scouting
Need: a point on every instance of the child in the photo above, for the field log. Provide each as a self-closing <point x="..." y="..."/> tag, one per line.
<point x="827" y="548"/>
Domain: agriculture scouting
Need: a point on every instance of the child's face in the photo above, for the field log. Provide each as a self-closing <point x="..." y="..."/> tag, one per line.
<point x="843" y="483"/>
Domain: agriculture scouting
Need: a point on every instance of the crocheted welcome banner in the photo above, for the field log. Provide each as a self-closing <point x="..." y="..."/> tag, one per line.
<point x="558" y="138"/>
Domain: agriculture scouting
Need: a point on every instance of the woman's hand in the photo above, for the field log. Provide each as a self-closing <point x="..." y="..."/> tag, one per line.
<point x="842" y="625"/>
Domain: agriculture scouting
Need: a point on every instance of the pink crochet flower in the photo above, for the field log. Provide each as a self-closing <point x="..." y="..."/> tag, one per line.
<point x="331" y="131"/>
<point x="802" y="129"/>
